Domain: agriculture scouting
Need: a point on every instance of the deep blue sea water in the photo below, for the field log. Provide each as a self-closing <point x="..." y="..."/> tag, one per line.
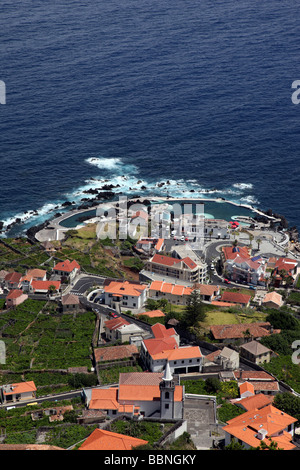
<point x="194" y="92"/>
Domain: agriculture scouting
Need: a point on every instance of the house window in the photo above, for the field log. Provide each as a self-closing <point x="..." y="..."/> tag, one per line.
<point x="167" y="395"/>
<point x="167" y="406"/>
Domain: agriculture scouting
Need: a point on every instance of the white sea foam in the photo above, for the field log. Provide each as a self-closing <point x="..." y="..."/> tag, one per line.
<point x="124" y="179"/>
<point x="105" y="163"/>
<point x="243" y="185"/>
<point x="249" y="200"/>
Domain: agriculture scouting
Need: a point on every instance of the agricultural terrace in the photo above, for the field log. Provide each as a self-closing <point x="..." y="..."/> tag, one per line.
<point x="95" y="256"/>
<point x="37" y="336"/>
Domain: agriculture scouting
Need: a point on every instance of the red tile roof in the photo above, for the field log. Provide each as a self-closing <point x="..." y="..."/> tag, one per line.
<point x="44" y="285"/>
<point x="13" y="277"/>
<point x="235" y="297"/>
<point x="14" y="294"/>
<point x="169" y="261"/>
<point x="256" y="330"/>
<point x="157" y="345"/>
<point x="116" y="323"/>
<point x="160" y="331"/>
<point x="113" y="353"/>
<point x="66" y="266"/>
<point x="230" y="252"/>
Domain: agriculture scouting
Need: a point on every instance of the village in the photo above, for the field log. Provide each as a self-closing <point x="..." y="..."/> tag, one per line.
<point x="183" y="340"/>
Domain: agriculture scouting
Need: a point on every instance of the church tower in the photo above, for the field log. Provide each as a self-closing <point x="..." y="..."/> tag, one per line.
<point x="167" y="389"/>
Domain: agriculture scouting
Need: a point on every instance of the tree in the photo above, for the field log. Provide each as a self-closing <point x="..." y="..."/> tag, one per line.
<point x="264" y="446"/>
<point x="234" y="445"/>
<point x="258" y="241"/>
<point x="194" y="310"/>
<point x="51" y="290"/>
<point x="212" y="385"/>
<point x="288" y="403"/>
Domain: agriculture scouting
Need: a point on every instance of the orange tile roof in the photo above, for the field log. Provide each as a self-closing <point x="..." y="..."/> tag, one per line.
<point x="146" y="393"/>
<point x="169" y="288"/>
<point x="256" y="401"/>
<point x="159" y="244"/>
<point x="246" y="387"/>
<point x="104" y="399"/>
<point x="152" y="314"/>
<point x="160" y="331"/>
<point x="125" y="288"/>
<point x="247" y="425"/>
<point x="101" y="439"/>
<point x="217" y="303"/>
<point x="188" y="352"/>
<point x="20" y="387"/>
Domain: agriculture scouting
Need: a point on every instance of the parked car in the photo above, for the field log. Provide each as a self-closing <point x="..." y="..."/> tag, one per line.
<point x="227" y="281"/>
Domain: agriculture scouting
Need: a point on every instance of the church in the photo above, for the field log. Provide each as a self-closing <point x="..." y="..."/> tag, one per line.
<point x="140" y="394"/>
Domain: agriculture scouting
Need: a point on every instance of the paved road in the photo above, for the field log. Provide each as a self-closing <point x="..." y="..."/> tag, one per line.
<point x="84" y="283"/>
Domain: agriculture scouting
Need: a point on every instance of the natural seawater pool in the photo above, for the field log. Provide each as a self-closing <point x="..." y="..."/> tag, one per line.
<point x="212" y="209"/>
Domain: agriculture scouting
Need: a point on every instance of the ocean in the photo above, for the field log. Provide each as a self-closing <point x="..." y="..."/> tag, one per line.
<point x="136" y="94"/>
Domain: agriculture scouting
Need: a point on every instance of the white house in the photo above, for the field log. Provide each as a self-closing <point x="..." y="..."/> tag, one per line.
<point x="125" y="294"/>
<point x="264" y="424"/>
<point x="67" y="269"/>
<point x="164" y="349"/>
<point x="15" y="392"/>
